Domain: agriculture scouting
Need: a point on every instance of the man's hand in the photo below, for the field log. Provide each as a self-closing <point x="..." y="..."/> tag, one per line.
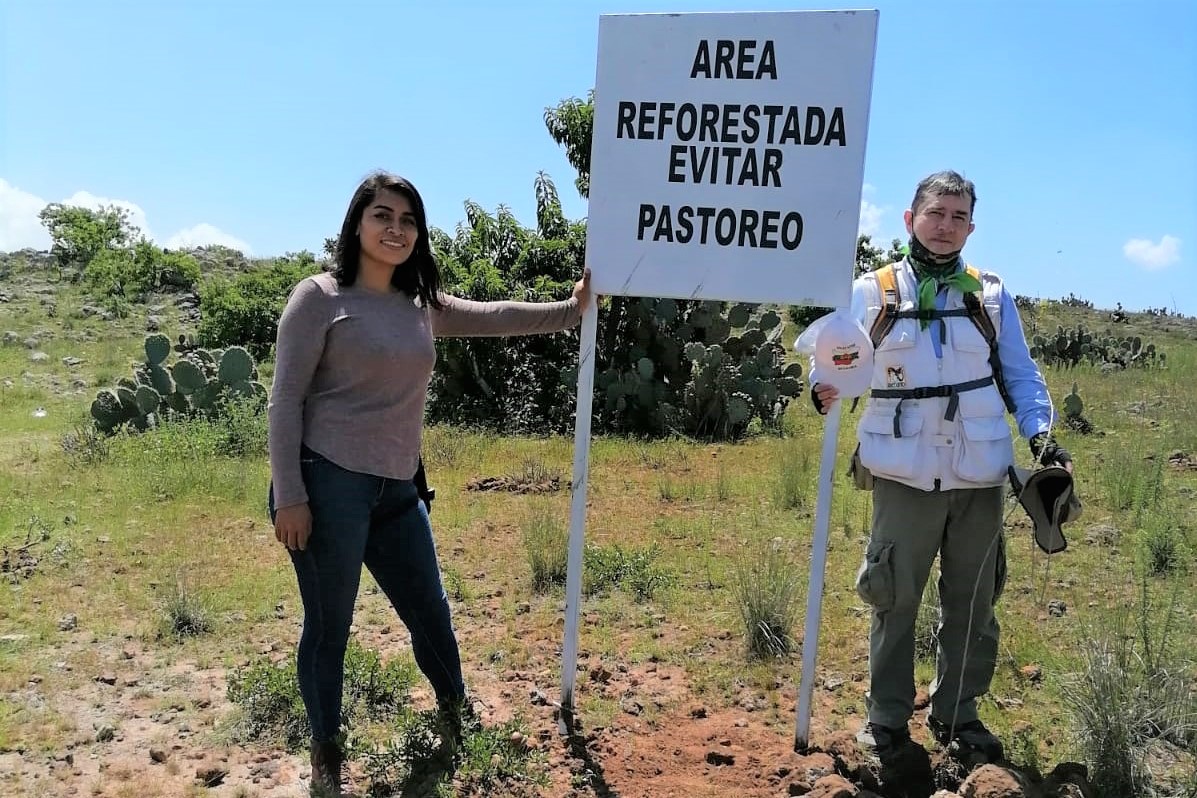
<point x="293" y="526"/>
<point x="1048" y="452"/>
<point x="821" y="396"/>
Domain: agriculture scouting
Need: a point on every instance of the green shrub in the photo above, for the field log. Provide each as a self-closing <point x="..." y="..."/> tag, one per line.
<point x="244" y="311"/>
<point x="636" y="570"/>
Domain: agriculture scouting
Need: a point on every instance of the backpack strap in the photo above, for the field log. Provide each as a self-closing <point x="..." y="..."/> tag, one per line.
<point x="975" y="305"/>
<point x="891" y="300"/>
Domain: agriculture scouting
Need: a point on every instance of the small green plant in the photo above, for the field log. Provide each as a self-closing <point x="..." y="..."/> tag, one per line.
<point x="1131" y="694"/>
<point x="415" y="760"/>
<point x="1163" y="545"/>
<point x="1024" y="750"/>
<point x="636" y="570"/>
<point x="272" y="710"/>
<point x="791" y="488"/>
<point x="546" y="543"/>
<point x="86" y="445"/>
<point x="767" y="591"/>
<point x="182" y="613"/>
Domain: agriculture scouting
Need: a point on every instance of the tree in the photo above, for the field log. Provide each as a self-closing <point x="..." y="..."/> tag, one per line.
<point x="79" y="234"/>
<point x="511" y="384"/>
<point x="571" y="124"/>
<point x="870" y="258"/>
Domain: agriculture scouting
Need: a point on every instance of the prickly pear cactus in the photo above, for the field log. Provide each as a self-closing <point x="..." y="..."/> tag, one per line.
<point x="1073" y="406"/>
<point x="236" y="365"/>
<point x="157" y="349"/>
<point x="199" y="383"/>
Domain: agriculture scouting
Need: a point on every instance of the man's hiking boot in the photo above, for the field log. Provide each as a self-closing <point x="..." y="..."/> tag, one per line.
<point x="882" y="741"/>
<point x="967" y="739"/>
<point x="327" y="759"/>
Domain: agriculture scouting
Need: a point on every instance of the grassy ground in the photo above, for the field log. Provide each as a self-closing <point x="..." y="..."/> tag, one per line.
<point x="121" y="529"/>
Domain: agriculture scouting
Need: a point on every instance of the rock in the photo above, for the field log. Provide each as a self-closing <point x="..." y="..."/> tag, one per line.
<point x="105" y="734"/>
<point x="1032" y="673"/>
<point x="798" y="788"/>
<point x="39" y="357"/>
<point x="851" y="760"/>
<point x="698" y="712"/>
<point x="158" y="755"/>
<point x="153" y="323"/>
<point x="106" y="678"/>
<point x="71" y="362"/>
<point x="991" y="781"/>
<point x="631" y="706"/>
<point x="1056" y="608"/>
<point x="10" y="337"/>
<point x="833" y="786"/>
<point x="1069" y="780"/>
<point x="946" y="794"/>
<point x="1102" y="535"/>
<point x="719" y="759"/>
<point x="30" y="343"/>
<point x="922" y="699"/>
<point x="538" y="697"/>
<point x="68" y="623"/>
<point x="210" y="775"/>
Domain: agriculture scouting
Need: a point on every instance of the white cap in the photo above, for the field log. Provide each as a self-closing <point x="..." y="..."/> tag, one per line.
<point x="842" y="352"/>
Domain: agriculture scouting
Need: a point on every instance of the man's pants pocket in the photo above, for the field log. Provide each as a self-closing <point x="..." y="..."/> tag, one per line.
<point x="875" y="580"/>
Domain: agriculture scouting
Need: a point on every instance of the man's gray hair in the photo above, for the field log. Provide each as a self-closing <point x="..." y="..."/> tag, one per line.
<point x="946" y="182"/>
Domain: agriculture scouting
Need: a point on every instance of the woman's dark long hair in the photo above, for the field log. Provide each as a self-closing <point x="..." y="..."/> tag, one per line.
<point x="419" y="276"/>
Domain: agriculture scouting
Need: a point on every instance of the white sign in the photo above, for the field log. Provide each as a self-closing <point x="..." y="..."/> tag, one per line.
<point x="728" y="154"/>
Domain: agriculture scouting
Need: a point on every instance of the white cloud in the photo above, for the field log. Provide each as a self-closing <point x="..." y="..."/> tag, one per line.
<point x="870" y="213"/>
<point x="19" y="225"/>
<point x="204" y="234"/>
<point x="1150" y="255"/>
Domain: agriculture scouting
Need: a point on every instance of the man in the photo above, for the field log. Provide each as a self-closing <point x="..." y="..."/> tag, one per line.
<point x="935" y="438"/>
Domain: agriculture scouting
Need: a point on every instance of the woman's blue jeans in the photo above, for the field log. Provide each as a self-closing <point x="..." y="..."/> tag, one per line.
<point x="360" y="519"/>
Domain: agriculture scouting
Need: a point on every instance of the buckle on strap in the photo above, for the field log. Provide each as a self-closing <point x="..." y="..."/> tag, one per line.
<point x="951" y="391"/>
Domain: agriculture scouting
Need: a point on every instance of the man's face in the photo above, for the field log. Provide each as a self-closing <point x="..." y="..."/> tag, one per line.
<point x="943" y="222"/>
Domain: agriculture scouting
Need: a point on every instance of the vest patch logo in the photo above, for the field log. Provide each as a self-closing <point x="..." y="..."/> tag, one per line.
<point x="895" y="376"/>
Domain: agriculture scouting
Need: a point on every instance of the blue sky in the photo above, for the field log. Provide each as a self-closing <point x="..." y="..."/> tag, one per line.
<point x="251" y="123"/>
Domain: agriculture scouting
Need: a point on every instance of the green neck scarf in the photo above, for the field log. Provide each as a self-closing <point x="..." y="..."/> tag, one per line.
<point x="934" y="276"/>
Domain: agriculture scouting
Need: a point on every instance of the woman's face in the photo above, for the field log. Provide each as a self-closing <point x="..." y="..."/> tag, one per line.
<point x="388" y="231"/>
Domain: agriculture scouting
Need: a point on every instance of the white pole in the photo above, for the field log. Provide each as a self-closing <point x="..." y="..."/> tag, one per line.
<point x="577" y="516"/>
<point x="818" y="564"/>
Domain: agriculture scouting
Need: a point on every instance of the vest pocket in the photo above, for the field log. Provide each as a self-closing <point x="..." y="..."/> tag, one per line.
<point x="885" y="453"/>
<point x="875" y="579"/>
<point x="966" y="337"/>
<point x="985" y="449"/>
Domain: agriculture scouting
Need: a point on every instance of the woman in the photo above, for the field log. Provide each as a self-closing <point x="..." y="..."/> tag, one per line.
<point x="353" y="360"/>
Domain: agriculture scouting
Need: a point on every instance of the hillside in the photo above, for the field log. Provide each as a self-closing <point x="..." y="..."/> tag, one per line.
<point x="110" y="549"/>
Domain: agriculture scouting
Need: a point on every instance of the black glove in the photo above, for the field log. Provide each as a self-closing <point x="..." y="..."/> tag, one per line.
<point x="1047" y="451"/>
<point x="814" y="400"/>
<point x="425" y="493"/>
